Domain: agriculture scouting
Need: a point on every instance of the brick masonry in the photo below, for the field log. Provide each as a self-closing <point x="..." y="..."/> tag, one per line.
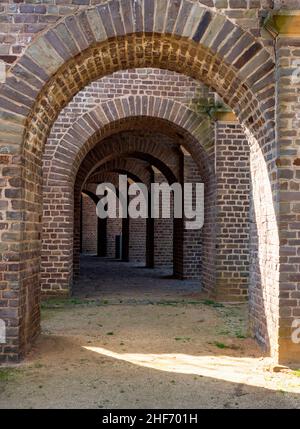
<point x="89" y="226"/>
<point x="233" y="191"/>
<point x="220" y="43"/>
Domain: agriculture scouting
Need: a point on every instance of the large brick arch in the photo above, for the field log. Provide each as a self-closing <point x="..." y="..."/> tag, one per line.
<point x="185" y="37"/>
<point x="77" y="153"/>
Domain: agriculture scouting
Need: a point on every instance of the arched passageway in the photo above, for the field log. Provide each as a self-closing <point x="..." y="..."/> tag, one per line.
<point x="187" y="38"/>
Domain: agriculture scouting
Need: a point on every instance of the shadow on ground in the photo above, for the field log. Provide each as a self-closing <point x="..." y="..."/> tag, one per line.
<point x="129" y="339"/>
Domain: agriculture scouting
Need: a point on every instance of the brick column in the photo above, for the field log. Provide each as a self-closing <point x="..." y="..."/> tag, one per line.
<point x="191" y="238"/>
<point x="163" y="233"/>
<point x="287" y="29"/>
<point x="150" y="227"/>
<point x="89" y="225"/>
<point x="102" y="237"/>
<point x="58" y="239"/>
<point x="233" y="194"/>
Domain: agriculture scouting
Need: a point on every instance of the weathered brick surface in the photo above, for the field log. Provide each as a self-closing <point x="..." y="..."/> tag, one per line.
<point x="288" y="51"/>
<point x="233" y="196"/>
<point x="89" y="226"/>
<point x="163" y="232"/>
<point x="21" y="22"/>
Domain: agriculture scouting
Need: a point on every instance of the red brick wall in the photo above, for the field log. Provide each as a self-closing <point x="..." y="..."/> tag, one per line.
<point x="233" y="199"/>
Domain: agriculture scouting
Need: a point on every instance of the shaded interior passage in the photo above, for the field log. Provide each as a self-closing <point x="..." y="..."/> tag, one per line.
<point x="107" y="278"/>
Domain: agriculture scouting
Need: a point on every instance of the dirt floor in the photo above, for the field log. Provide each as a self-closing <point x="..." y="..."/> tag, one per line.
<point x="144" y="346"/>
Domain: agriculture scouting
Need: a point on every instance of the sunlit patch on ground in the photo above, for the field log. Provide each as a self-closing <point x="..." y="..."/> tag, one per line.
<point x="131" y="339"/>
<point x="249" y="371"/>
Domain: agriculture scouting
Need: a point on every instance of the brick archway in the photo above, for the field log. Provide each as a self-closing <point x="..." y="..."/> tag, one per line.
<point x="96" y="233"/>
<point x="71" y="160"/>
<point x="187" y="38"/>
<point x="154" y="152"/>
<point x="142" y="240"/>
<point x="137" y="164"/>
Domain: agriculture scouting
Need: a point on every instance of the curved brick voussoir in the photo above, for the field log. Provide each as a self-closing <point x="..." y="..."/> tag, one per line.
<point x="152" y="148"/>
<point x="134" y="167"/>
<point x="167" y="115"/>
<point x="182" y="36"/>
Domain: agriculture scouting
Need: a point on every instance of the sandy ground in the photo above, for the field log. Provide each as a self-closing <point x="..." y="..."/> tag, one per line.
<point x="172" y="349"/>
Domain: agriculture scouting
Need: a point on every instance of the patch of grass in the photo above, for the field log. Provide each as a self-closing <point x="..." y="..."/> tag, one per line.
<point x="240" y="335"/>
<point x="220" y="345"/>
<point x="296" y="372"/>
<point x="194" y="302"/>
<point x="226" y="346"/>
<point x="169" y="303"/>
<point x="212" y="303"/>
<point x="8" y="374"/>
<point x="77" y="301"/>
<point x="110" y="333"/>
<point x="184" y="339"/>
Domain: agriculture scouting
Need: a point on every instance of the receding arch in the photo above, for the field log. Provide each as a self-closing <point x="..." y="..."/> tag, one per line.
<point x="143" y="154"/>
<point x="138" y="171"/>
<point x="119" y="114"/>
<point x="130" y="168"/>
